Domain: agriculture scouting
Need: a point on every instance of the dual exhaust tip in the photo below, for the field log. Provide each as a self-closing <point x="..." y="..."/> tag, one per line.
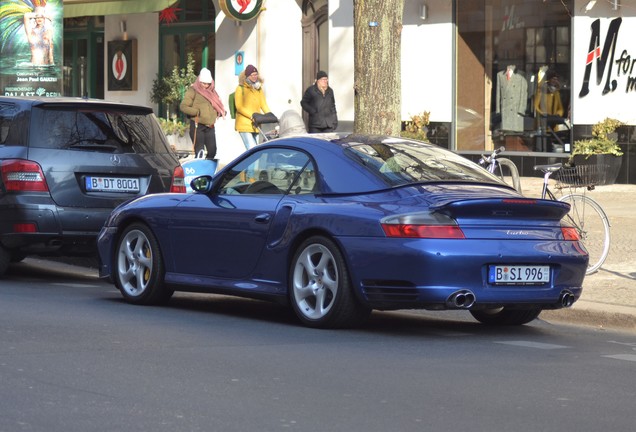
<point x="463" y="299"/>
<point x="567" y="298"/>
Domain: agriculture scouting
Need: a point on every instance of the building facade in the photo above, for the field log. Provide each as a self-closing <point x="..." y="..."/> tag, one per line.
<point x="532" y="75"/>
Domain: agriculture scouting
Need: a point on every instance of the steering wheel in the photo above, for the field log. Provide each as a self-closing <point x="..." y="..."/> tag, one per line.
<point x="262" y="187"/>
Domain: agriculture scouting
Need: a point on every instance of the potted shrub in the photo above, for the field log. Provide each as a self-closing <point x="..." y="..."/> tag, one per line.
<point x="168" y="91"/>
<point x="416" y="128"/>
<point x="177" y="134"/>
<point x="601" y="150"/>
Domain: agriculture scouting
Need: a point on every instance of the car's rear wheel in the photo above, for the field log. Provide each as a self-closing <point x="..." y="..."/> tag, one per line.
<point x="320" y="290"/>
<point x="139" y="269"/>
<point x="505" y="316"/>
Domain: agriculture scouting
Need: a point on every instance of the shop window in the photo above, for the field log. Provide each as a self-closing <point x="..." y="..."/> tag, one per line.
<point x="520" y="51"/>
<point x="193" y="32"/>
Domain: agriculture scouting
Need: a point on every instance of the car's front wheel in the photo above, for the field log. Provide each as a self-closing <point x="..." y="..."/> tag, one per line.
<point x="505" y="316"/>
<point x="320" y="289"/>
<point x="139" y="270"/>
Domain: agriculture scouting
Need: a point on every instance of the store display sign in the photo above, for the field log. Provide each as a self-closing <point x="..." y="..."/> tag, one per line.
<point x="603" y="69"/>
<point x="122" y="65"/>
<point x="241" y="10"/>
<point x="31" y="48"/>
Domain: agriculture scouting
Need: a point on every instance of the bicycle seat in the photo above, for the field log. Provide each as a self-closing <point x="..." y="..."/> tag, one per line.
<point x="550" y="168"/>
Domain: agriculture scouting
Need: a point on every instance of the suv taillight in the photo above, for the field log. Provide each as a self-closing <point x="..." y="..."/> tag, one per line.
<point x="19" y="175"/>
<point x="178" y="181"/>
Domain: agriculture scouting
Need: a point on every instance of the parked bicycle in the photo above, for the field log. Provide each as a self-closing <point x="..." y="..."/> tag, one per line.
<point x="586" y="215"/>
<point x="502" y="167"/>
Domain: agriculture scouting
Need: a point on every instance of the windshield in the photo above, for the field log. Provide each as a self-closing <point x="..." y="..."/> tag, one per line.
<point x="401" y="162"/>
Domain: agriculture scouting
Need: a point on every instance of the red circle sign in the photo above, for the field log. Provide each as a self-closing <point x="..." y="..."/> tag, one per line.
<point x="119" y="65"/>
<point x="241" y="10"/>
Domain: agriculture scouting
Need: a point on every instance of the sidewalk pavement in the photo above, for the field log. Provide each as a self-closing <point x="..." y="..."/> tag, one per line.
<point x="609" y="295"/>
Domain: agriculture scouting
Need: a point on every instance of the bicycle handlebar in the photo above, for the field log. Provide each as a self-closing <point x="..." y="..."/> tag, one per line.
<point x="488" y="159"/>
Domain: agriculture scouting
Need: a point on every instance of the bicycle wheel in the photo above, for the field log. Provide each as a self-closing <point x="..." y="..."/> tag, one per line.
<point x="508" y="172"/>
<point x="593" y="226"/>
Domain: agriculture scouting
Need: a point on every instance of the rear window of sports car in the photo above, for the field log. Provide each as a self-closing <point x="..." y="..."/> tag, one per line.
<point x="403" y="162"/>
<point x="99" y="129"/>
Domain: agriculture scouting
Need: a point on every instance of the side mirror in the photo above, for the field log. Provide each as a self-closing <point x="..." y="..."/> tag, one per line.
<point x="202" y="184"/>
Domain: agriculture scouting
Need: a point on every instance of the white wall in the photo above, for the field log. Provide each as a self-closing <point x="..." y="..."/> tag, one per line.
<point x="341" y="59"/>
<point x="144" y="28"/>
<point x="427" y="60"/>
<point x="617" y="103"/>
<point x="273" y="43"/>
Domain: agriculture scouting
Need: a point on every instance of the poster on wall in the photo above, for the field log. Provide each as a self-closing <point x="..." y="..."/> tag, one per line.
<point x="31" y="48"/>
<point x="603" y="69"/>
<point x="122" y="65"/>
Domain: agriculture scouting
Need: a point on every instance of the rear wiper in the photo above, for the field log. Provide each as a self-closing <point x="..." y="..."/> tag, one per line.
<point x="93" y="144"/>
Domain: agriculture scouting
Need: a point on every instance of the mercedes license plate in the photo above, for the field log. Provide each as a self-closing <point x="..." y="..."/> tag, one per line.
<point x="518" y="274"/>
<point x="112" y="184"/>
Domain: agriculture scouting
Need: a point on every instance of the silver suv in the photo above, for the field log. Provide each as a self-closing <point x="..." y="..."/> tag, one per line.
<point x="65" y="163"/>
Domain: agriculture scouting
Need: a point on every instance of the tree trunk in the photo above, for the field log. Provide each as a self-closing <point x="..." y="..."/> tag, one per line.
<point x="377" y="70"/>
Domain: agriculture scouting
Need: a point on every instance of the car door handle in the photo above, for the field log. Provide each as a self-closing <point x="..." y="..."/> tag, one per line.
<point x="263" y="218"/>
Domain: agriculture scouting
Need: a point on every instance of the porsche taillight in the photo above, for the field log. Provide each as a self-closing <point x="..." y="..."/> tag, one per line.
<point x="19" y="175"/>
<point x="422" y="225"/>
<point x="423" y="231"/>
<point x="570" y="233"/>
<point x="178" y="180"/>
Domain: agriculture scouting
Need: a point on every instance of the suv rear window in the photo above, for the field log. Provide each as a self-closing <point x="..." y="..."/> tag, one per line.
<point x="12" y="130"/>
<point x="100" y="129"/>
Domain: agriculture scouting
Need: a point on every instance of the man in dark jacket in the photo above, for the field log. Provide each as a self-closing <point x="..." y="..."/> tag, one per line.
<point x="320" y="103"/>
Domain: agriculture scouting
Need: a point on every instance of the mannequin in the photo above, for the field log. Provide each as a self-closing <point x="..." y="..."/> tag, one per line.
<point x="547" y="100"/>
<point x="512" y="95"/>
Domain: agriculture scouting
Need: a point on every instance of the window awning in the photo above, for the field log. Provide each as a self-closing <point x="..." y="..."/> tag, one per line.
<point x="77" y="8"/>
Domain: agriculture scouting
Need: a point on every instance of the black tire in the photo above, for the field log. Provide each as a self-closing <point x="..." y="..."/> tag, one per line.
<point x="5" y="259"/>
<point x="320" y="289"/>
<point x="138" y="269"/>
<point x="505" y="316"/>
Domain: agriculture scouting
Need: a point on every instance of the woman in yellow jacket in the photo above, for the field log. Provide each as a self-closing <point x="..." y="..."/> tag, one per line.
<point x="249" y="99"/>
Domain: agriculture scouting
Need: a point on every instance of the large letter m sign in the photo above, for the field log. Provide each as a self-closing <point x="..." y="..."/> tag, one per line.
<point x="601" y="57"/>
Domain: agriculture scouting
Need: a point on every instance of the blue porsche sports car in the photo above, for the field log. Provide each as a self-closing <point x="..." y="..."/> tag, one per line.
<point x="339" y="227"/>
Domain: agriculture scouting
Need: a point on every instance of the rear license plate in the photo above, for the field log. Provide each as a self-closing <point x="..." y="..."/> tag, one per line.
<point x="518" y="275"/>
<point x="111" y="184"/>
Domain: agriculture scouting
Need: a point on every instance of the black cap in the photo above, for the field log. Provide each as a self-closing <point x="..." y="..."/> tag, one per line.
<point x="321" y="74"/>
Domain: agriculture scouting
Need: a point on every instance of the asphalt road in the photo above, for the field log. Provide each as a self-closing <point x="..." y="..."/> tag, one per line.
<point x="75" y="357"/>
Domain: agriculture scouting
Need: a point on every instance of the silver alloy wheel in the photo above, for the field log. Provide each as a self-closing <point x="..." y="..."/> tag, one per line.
<point x="315" y="281"/>
<point x="134" y="262"/>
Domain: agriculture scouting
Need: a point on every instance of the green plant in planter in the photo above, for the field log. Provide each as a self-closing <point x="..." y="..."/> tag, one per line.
<point x="173" y="127"/>
<point x="601" y="142"/>
<point x="416" y="127"/>
<point x="169" y="90"/>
